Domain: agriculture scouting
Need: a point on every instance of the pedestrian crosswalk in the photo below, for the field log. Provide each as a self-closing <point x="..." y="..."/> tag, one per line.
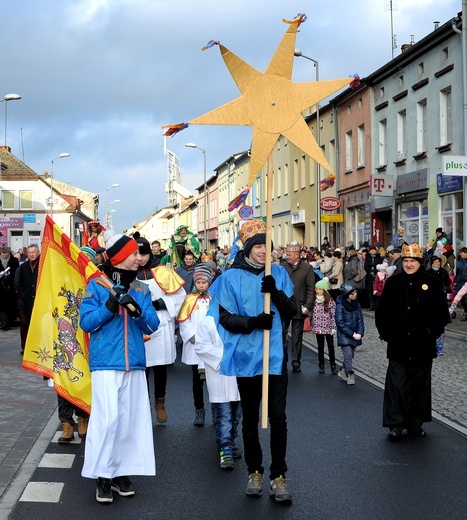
<point x="51" y="490"/>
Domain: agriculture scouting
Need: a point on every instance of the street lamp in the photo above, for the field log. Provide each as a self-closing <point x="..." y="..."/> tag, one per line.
<point x="107" y="205"/>
<point x="206" y="194"/>
<point x="61" y="156"/>
<point x="299" y="54"/>
<point x="6" y="98"/>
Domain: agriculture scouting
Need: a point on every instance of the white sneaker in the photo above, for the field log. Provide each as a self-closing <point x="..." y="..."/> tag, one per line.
<point x="351" y="379"/>
<point x="342" y="374"/>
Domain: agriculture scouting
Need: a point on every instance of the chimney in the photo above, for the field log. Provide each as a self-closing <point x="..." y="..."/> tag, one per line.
<point x="436" y="25"/>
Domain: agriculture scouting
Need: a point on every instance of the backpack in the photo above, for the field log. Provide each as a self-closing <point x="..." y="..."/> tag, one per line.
<point x="361" y="273"/>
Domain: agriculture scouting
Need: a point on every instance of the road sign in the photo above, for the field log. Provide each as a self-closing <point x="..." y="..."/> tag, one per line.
<point x="245" y="212"/>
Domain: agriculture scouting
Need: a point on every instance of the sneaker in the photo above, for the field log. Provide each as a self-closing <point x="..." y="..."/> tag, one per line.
<point x="343" y="374"/>
<point x="350" y="378"/>
<point x="226" y="458"/>
<point x="123" y="486"/>
<point x="255" y="485"/>
<point x="278" y="490"/>
<point x="104" y="493"/>
<point x="199" y="417"/>
<point x="236" y="452"/>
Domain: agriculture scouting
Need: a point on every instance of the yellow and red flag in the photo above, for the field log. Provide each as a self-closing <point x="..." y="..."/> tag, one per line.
<point x="56" y="346"/>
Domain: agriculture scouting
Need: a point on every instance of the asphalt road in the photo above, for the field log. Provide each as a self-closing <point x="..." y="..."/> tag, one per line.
<point x="341" y="464"/>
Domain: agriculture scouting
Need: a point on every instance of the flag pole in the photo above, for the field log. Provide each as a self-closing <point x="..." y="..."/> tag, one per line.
<point x="267" y="296"/>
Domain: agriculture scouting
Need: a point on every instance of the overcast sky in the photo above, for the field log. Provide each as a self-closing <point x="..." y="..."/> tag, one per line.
<point x="98" y="79"/>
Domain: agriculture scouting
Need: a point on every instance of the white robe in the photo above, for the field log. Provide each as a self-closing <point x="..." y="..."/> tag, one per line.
<point x="188" y="330"/>
<point x="209" y="348"/>
<point x="119" y="441"/>
<point x="160" y="349"/>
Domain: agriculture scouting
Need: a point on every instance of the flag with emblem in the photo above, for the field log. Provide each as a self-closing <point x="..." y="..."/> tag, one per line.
<point x="56" y="346"/>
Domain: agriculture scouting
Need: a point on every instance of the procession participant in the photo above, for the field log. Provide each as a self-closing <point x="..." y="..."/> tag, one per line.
<point x="193" y="310"/>
<point x="96" y="234"/>
<point x="239" y="293"/>
<point x="411" y="314"/>
<point x="116" y="311"/>
<point x="167" y="296"/>
<point x="8" y="301"/>
<point x="184" y="240"/>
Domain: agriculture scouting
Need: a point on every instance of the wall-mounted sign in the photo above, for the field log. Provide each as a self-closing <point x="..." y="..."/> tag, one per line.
<point x="382" y="185"/>
<point x="29" y="218"/>
<point x="336" y="217"/>
<point x="454" y="165"/>
<point x="330" y="203"/>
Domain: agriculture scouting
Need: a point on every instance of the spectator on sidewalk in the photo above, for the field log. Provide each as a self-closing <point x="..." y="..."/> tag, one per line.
<point x="25" y="285"/>
<point x="350" y="328"/>
<point x="303" y="279"/>
<point x="411" y="314"/>
<point x="8" y="302"/>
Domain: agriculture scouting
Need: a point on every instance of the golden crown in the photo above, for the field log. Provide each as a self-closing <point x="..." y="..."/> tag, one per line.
<point x="412" y="251"/>
<point x="293" y="246"/>
<point x="251" y="228"/>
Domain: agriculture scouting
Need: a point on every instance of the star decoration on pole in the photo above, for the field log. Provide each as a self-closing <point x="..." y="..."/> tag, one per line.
<point x="272" y="104"/>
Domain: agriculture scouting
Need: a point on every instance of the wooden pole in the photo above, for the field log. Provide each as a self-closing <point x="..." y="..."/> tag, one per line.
<point x="267" y="296"/>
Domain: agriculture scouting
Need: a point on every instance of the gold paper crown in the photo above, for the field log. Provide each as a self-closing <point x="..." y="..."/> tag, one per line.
<point x="251" y="228"/>
<point x="293" y="246"/>
<point x="412" y="251"/>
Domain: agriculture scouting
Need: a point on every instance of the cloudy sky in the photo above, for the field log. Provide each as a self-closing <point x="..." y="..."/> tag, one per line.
<point x="98" y="79"/>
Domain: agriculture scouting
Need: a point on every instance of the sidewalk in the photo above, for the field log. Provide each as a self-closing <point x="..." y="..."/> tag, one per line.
<point x="26" y="405"/>
<point x="449" y="382"/>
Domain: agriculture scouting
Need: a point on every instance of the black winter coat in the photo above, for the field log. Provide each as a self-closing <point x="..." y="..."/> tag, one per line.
<point x="412" y="312"/>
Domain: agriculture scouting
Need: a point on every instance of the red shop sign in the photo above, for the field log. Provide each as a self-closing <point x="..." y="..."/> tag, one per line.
<point x="330" y="203"/>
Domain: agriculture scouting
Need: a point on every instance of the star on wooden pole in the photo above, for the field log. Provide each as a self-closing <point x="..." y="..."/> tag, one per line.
<point x="272" y="104"/>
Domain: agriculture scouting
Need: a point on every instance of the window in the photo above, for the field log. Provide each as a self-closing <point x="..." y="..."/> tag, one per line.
<point x="295" y="175"/>
<point x="348" y="110"/>
<point x="401" y="135"/>
<point x="381" y="92"/>
<point x="286" y="179"/>
<point x="401" y="81"/>
<point x="361" y="145"/>
<point x="257" y="192"/>
<point x="421" y="126"/>
<point x="445" y="116"/>
<point x="8" y="199"/>
<point x="413" y="217"/>
<point x="25" y="199"/>
<point x="303" y="176"/>
<point x="165" y="227"/>
<point x="278" y="182"/>
<point x="444" y="54"/>
<point x="360" y="103"/>
<point x="348" y="151"/>
<point x="420" y="69"/>
<point x="383" y="149"/>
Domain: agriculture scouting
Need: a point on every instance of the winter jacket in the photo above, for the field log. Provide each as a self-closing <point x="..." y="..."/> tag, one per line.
<point x="337" y="272"/>
<point x="323" y="322"/>
<point x="351" y="271"/>
<point x="349" y="320"/>
<point x="303" y="279"/>
<point x="411" y="313"/>
<point x="116" y="340"/>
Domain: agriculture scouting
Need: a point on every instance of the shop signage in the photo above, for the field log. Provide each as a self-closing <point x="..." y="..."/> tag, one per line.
<point x="336" y="217"/>
<point x="455" y="165"/>
<point x="330" y="203"/>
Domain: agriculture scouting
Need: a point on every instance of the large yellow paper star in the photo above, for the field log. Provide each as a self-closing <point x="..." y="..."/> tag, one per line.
<point x="272" y="104"/>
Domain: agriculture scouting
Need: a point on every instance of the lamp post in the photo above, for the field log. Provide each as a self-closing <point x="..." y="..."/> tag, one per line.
<point x="6" y="98"/>
<point x="107" y="205"/>
<point x="206" y="194"/>
<point x="61" y="156"/>
<point x="109" y="213"/>
<point x="299" y="54"/>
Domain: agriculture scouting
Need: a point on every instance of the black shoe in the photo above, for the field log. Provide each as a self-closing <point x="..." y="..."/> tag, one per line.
<point x="296" y="369"/>
<point x="396" y="434"/>
<point x="104" y="493"/>
<point x="334" y="370"/>
<point x="321" y="370"/>
<point x="464" y="317"/>
<point x="123" y="486"/>
<point x="416" y="431"/>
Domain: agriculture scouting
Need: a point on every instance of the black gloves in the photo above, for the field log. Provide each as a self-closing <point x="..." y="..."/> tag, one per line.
<point x="159" y="304"/>
<point x="262" y="321"/>
<point x="112" y="302"/>
<point x="117" y="297"/>
<point x="129" y="303"/>
<point x="268" y="285"/>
